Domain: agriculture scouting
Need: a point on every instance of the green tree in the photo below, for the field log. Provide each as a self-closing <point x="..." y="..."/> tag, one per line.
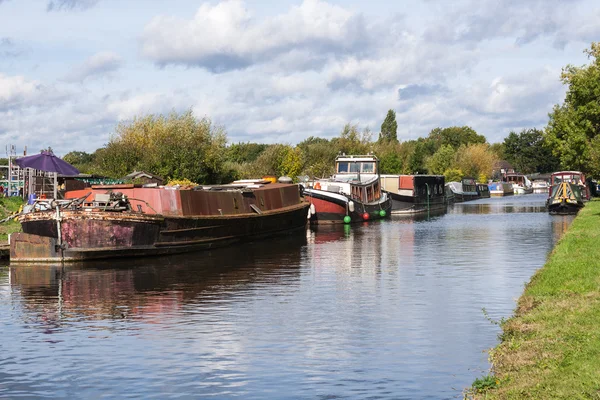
<point x="319" y="156"/>
<point x="244" y="152"/>
<point x="441" y="160"/>
<point x="389" y="128"/>
<point x="453" y="175"/>
<point x="528" y="152"/>
<point x="177" y="146"/>
<point x="575" y="124"/>
<point x="476" y="161"/>
<point x="352" y="140"/>
<point x="454" y="136"/>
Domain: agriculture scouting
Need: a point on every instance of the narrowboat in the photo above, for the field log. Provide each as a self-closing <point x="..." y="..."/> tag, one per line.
<point x="352" y="194"/>
<point x="568" y="191"/>
<point x="483" y="190"/>
<point x="501" y="189"/>
<point x="412" y="194"/>
<point x="462" y="191"/>
<point x="130" y="220"/>
<point x="520" y="183"/>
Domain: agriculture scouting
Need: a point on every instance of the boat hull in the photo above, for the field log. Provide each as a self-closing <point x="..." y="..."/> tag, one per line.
<point x="408" y="205"/>
<point x="332" y="208"/>
<point x="100" y="235"/>
<point x="499" y="189"/>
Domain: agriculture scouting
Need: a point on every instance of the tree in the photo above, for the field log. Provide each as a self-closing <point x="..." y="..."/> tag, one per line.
<point x="441" y="160"/>
<point x="528" y="152"/>
<point x="476" y="160"/>
<point x="389" y="128"/>
<point x="454" y="136"/>
<point x="352" y="140"/>
<point x="575" y="124"/>
<point x="319" y="157"/>
<point x="177" y="146"/>
<point x="244" y="152"/>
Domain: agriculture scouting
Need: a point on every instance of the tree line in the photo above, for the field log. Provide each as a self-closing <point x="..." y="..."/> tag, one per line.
<point x="180" y="146"/>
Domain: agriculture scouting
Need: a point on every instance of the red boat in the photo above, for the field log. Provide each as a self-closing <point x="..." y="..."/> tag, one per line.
<point x="353" y="194"/>
<point x="131" y="221"/>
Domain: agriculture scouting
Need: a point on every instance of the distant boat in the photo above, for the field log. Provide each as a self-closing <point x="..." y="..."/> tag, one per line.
<point x="465" y="190"/>
<point x="412" y="194"/>
<point x="353" y="194"/>
<point x="501" y="189"/>
<point x="521" y="184"/>
<point x="483" y="190"/>
<point x="540" y="186"/>
<point x="568" y="192"/>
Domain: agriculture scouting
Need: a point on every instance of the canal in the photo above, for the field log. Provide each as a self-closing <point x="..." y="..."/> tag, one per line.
<point x="384" y="310"/>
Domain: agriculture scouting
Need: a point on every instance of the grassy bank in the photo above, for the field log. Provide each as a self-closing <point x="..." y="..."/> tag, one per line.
<point x="9" y="205"/>
<point x="550" y="348"/>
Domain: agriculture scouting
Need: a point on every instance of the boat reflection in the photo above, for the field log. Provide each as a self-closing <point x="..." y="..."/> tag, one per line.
<point x="148" y="288"/>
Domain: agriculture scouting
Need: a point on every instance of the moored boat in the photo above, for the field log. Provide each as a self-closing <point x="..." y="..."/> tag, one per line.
<point x="501" y="189"/>
<point x="462" y="191"/>
<point x="540" y="186"/>
<point x="130" y="221"/>
<point x="413" y="194"/>
<point x="483" y="190"/>
<point x="568" y="191"/>
<point x="353" y="194"/>
<point x="520" y="183"/>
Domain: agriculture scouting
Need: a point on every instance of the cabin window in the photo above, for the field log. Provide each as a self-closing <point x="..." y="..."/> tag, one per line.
<point x="370" y="194"/>
<point x="368" y="168"/>
<point x="355" y="167"/>
<point x="342" y="167"/>
<point x="377" y="191"/>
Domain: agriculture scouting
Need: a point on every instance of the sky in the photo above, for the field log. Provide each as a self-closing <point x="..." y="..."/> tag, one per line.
<point x="282" y="71"/>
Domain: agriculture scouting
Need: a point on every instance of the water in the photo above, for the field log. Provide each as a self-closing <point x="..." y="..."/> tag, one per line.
<point x="385" y="310"/>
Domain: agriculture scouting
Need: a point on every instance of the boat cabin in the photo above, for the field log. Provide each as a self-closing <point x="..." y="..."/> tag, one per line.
<point x="572" y="177"/>
<point x="356" y="177"/>
<point x="515" y="178"/>
<point x="356" y="165"/>
<point x="469" y="185"/>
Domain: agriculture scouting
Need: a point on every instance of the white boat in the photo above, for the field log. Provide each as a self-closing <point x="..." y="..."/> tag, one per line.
<point x="501" y="189"/>
<point x="520" y="183"/>
<point x="540" y="186"/>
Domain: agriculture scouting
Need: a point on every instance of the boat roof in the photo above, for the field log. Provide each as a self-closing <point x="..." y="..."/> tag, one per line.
<point x="424" y="175"/>
<point x="567" y="172"/>
<point x="356" y="158"/>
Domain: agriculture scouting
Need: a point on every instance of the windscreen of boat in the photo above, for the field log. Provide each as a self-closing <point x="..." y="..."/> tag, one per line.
<point x="571" y="178"/>
<point x="344" y="167"/>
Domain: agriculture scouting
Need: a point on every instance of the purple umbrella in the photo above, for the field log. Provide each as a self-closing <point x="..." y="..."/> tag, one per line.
<point x="47" y="161"/>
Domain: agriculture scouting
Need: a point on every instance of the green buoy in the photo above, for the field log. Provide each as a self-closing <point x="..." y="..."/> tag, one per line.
<point x="347" y="219"/>
<point x="382" y="213"/>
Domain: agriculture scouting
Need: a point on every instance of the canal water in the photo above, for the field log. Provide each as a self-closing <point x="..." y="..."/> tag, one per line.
<point x="384" y="310"/>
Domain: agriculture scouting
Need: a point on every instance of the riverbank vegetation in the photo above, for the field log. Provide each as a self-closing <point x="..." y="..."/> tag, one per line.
<point x="9" y="206"/>
<point x="180" y="146"/>
<point x="550" y="348"/>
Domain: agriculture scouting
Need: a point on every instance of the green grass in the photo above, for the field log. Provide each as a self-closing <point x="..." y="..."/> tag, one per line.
<point x="9" y="205"/>
<point x="550" y="348"/>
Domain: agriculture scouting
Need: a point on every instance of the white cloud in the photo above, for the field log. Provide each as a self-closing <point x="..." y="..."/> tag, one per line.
<point x="98" y="65"/>
<point x="226" y="36"/>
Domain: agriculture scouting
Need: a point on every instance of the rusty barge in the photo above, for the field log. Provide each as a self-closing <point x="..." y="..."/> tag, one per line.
<point x="133" y="221"/>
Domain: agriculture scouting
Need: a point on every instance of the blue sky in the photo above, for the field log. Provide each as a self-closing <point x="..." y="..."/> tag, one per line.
<point x="281" y="71"/>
